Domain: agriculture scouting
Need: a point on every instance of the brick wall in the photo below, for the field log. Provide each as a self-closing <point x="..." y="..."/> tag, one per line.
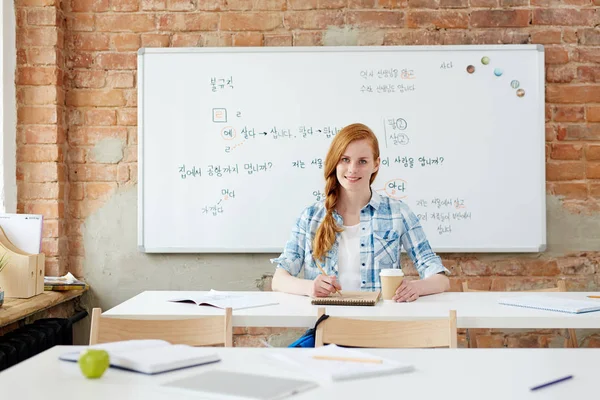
<point x="76" y="96"/>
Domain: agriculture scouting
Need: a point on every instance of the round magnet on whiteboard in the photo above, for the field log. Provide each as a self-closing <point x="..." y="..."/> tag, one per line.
<point x="520" y="92"/>
<point x="485" y="60"/>
<point x="470" y="69"/>
<point x="515" y="84"/>
<point x="498" y="71"/>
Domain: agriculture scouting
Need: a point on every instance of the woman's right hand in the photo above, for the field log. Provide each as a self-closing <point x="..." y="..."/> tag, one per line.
<point x="324" y="285"/>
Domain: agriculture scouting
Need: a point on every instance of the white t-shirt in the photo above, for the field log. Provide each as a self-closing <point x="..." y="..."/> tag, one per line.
<point x="349" y="258"/>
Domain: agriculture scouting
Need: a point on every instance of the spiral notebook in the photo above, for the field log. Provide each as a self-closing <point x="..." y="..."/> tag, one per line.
<point x="348" y="298"/>
<point x="549" y="303"/>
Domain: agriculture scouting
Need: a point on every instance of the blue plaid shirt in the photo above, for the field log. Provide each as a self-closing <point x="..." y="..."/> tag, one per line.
<point x="385" y="225"/>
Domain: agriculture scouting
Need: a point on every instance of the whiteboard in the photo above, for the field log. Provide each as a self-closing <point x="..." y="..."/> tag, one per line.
<point x="232" y="141"/>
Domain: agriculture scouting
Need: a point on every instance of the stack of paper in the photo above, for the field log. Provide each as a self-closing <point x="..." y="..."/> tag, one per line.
<point x="65" y="282"/>
<point x="340" y="363"/>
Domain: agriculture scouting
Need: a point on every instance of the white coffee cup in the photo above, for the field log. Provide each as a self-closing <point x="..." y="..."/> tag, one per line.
<point x="390" y="278"/>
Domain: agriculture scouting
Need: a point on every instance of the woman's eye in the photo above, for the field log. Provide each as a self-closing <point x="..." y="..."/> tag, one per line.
<point x="345" y="159"/>
<point x="363" y="161"/>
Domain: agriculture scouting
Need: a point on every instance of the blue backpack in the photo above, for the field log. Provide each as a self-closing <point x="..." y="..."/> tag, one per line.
<point x="308" y="339"/>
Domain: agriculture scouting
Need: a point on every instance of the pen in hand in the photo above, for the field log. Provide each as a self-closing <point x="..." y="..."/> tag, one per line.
<point x="323" y="273"/>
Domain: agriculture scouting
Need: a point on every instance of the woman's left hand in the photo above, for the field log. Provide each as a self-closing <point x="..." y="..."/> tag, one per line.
<point x="407" y="291"/>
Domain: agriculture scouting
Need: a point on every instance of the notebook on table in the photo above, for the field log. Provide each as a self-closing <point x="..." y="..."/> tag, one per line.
<point x="348" y="298"/>
<point x="340" y="363"/>
<point x="150" y="356"/>
<point x="549" y="303"/>
<point x="238" y="385"/>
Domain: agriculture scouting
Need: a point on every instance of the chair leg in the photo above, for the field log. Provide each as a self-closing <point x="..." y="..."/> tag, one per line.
<point x="471" y="339"/>
<point x="571" y="338"/>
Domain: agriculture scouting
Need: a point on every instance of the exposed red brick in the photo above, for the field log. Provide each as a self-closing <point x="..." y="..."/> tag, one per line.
<point x="556" y="55"/>
<point x="581" y="132"/>
<point x="573" y="94"/>
<point x="563" y="16"/>
<point x="568" y="190"/>
<point x="125" y="22"/>
<point x="256" y="5"/>
<point x="95" y="98"/>
<point x="588" y="54"/>
<point x="561" y="151"/>
<point x="546" y="36"/>
<point x="308" y="39"/>
<point x="90" y="5"/>
<point x="186" y="40"/>
<point x="126" y="42"/>
<point x="500" y="18"/>
<point x="278" y="40"/>
<point x="91" y="41"/>
<point x="248" y="39"/>
<point x="319" y="19"/>
<point x="587" y="73"/>
<point x="438" y="19"/>
<point x="560" y="73"/>
<point x="592" y="152"/>
<point x="564" y="170"/>
<point x="595" y="190"/>
<point x="592" y="113"/>
<point x="569" y="113"/>
<point x="156" y="5"/>
<point x="593" y="170"/>
<point x="125" y="5"/>
<point x="155" y="40"/>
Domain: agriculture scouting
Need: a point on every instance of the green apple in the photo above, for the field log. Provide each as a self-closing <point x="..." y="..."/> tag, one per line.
<point x="93" y="363"/>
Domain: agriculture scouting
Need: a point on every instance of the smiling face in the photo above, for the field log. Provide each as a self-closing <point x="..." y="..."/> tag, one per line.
<point x="356" y="166"/>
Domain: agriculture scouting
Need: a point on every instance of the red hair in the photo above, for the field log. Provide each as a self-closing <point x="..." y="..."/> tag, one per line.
<point x="325" y="236"/>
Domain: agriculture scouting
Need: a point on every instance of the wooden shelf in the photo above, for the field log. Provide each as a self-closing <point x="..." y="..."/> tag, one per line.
<point x="16" y="309"/>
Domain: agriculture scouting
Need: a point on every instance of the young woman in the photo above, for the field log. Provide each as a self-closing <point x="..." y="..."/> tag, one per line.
<point x="355" y="232"/>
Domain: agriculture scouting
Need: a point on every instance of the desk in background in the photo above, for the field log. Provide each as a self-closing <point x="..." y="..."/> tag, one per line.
<point x="474" y="310"/>
<point x="493" y="374"/>
<point x="16" y="310"/>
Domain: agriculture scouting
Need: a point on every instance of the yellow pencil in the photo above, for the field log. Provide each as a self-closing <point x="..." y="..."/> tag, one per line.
<point x="323" y="273"/>
<point x="351" y="359"/>
<point x="594" y="297"/>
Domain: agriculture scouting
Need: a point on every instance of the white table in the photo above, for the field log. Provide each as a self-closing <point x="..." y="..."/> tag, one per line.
<point x="474" y="310"/>
<point x="465" y="374"/>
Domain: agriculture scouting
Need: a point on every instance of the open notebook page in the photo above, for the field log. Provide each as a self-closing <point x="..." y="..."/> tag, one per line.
<point x="340" y="370"/>
<point x="235" y="301"/>
<point x="550" y="303"/>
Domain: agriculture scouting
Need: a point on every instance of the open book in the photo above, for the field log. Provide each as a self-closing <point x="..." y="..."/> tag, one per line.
<point x="549" y="303"/>
<point x="348" y="298"/>
<point x="151" y="356"/>
<point x="235" y="301"/>
<point x="340" y="363"/>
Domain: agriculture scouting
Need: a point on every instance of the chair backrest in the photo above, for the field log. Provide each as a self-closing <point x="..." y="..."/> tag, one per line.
<point x="561" y="286"/>
<point x="203" y="331"/>
<point x="387" y="334"/>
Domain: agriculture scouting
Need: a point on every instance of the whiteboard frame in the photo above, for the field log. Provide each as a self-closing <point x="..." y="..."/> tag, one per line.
<point x="337" y="49"/>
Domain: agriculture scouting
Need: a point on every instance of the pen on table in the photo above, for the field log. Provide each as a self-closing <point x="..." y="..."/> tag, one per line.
<point x="566" y="378"/>
<point x="351" y="359"/>
<point x="323" y="273"/>
<point x="594" y="297"/>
